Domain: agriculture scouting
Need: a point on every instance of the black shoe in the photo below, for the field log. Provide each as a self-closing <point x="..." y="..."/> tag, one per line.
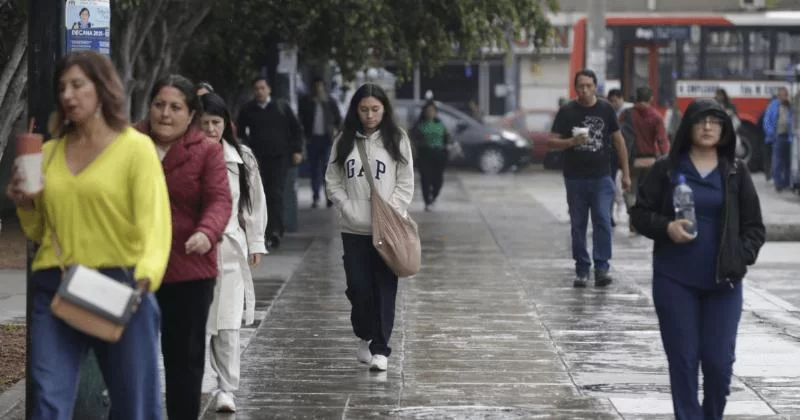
<point x="274" y="242"/>
<point x="314" y="204"/>
<point x="601" y="278"/>
<point x="580" y="281"/>
<point x="329" y="204"/>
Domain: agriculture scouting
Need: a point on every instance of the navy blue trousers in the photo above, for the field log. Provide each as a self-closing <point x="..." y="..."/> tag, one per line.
<point x="129" y="366"/>
<point x="319" y="151"/>
<point x="372" y="291"/>
<point x="698" y="328"/>
<point x="782" y="162"/>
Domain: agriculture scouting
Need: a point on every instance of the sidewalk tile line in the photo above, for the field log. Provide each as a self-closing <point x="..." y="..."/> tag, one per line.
<point x="266" y="311"/>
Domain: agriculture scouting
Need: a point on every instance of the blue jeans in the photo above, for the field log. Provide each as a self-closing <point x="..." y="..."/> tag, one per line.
<point x="584" y="196"/>
<point x="129" y="366"/>
<point x="781" y="163"/>
<point x="698" y="328"/>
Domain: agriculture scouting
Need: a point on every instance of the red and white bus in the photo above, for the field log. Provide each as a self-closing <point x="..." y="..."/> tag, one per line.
<point x="682" y="56"/>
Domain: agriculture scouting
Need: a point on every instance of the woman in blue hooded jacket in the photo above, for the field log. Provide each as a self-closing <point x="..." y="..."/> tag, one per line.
<point x="697" y="280"/>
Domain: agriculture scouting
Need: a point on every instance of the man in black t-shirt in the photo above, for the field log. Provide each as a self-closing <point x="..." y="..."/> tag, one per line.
<point x="585" y="129"/>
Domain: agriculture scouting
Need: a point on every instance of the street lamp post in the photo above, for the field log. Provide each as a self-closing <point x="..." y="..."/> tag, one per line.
<point x="45" y="46"/>
<point x="596" y="42"/>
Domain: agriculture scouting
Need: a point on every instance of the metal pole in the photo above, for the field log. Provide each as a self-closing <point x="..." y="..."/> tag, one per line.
<point x="510" y="74"/>
<point x="417" y="83"/>
<point x="46" y="44"/>
<point x="45" y="23"/>
<point x="484" y="86"/>
<point x="596" y="42"/>
<point x="794" y="157"/>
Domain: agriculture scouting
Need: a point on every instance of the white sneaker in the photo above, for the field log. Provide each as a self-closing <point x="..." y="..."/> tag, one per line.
<point x="225" y="403"/>
<point x="379" y="363"/>
<point x="364" y="355"/>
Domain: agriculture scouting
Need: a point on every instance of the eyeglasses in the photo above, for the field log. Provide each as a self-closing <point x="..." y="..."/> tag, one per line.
<point x="712" y="121"/>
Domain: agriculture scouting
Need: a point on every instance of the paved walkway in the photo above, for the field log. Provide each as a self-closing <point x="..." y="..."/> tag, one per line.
<point x="491" y="328"/>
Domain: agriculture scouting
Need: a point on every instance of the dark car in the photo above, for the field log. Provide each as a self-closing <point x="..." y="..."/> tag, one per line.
<point x="490" y="148"/>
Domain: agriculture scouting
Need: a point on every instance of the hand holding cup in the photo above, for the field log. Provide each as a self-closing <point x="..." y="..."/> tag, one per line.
<point x="580" y="135"/>
<point x="26" y="179"/>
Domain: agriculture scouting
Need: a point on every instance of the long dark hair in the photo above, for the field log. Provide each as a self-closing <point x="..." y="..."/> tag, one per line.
<point x="391" y="135"/>
<point x="213" y="104"/>
<point x="425" y="107"/>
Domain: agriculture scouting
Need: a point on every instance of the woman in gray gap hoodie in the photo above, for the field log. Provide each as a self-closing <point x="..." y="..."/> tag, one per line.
<point x="371" y="285"/>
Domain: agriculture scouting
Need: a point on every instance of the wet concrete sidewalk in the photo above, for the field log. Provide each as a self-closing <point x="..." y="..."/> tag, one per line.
<point x="491" y="327"/>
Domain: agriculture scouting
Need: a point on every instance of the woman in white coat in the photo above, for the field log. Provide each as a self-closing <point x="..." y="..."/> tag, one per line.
<point x="242" y="246"/>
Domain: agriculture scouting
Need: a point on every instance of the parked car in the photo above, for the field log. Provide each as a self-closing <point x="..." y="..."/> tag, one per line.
<point x="490" y="148"/>
<point x="535" y="124"/>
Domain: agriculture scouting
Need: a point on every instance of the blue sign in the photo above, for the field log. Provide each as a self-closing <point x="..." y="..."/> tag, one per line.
<point x="655" y="33"/>
<point x="88" y="26"/>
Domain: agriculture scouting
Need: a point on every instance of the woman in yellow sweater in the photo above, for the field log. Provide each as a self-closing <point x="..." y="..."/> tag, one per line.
<point x="106" y="198"/>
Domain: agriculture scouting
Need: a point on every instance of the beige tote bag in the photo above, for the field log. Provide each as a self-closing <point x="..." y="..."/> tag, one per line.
<point x="395" y="237"/>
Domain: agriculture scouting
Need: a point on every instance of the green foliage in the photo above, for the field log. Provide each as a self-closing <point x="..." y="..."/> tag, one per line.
<point x="352" y="32"/>
<point x="228" y="48"/>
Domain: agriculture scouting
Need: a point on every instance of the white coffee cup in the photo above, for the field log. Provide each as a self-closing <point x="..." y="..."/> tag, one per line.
<point x="576" y="131"/>
<point x="29" y="162"/>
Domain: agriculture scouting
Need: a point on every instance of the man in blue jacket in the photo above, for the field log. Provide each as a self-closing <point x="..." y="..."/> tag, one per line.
<point x="778" y="132"/>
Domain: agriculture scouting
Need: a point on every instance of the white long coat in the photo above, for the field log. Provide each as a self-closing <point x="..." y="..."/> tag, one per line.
<point x="234" y="291"/>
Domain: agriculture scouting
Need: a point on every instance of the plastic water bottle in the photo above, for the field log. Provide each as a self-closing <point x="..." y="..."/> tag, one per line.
<point x="683" y="201"/>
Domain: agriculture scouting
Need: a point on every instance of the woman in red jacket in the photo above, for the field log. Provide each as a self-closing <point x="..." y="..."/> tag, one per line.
<point x="200" y="199"/>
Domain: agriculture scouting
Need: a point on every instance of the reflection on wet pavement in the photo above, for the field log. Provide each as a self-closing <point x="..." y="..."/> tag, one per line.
<point x="491" y="327"/>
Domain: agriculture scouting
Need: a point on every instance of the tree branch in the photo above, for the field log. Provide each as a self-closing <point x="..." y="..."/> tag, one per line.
<point x="13" y="63"/>
<point x="14" y="105"/>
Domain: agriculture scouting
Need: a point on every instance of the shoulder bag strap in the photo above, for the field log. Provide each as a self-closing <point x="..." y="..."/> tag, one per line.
<point x="48" y="223"/>
<point x="365" y="162"/>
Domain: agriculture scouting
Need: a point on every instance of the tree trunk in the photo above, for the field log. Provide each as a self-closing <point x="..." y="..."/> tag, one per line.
<point x="11" y="66"/>
<point x="13" y="82"/>
<point x="152" y="65"/>
<point x="136" y="30"/>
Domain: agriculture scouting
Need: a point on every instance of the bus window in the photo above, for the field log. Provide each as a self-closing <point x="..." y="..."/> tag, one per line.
<point x="758" y="59"/>
<point x="615" y="62"/>
<point x="724" y="58"/>
<point x="787" y="48"/>
<point x="667" y="72"/>
<point x="691" y="60"/>
<point x="640" y="70"/>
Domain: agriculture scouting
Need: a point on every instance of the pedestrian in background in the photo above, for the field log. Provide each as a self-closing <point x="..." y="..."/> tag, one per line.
<point x="200" y="198"/>
<point x="371" y="284"/>
<point x="320" y="117"/>
<point x="620" y="105"/>
<point x="106" y="200"/>
<point x="650" y="140"/>
<point x="274" y="134"/>
<point x="697" y="281"/>
<point x="778" y="132"/>
<point x="585" y="129"/>
<point x="242" y="247"/>
<point x="431" y="138"/>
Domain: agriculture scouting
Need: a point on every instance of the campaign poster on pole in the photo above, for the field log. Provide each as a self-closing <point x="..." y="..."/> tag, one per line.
<point x="88" y="25"/>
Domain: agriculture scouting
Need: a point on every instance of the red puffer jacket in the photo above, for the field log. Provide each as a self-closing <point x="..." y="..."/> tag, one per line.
<point x="200" y="200"/>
